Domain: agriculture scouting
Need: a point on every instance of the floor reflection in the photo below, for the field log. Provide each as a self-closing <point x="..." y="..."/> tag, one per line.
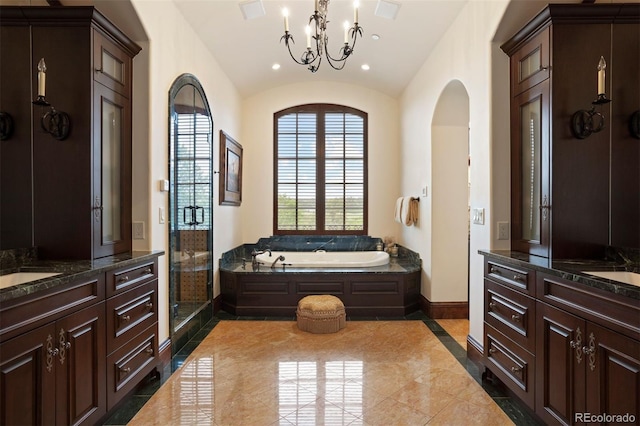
<point x="370" y="373"/>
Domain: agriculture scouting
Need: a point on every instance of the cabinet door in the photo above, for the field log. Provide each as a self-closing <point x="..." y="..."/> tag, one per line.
<point x="27" y="378"/>
<point x="530" y="180"/>
<point x="530" y="64"/>
<point x="560" y="365"/>
<point x="81" y="370"/>
<point x="111" y="173"/>
<point x="613" y="374"/>
<point x="112" y="65"/>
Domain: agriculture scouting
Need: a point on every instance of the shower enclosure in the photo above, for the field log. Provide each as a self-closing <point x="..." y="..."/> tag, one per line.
<point x="190" y="210"/>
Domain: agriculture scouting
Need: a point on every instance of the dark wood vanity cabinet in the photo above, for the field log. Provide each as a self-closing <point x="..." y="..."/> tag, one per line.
<point x="80" y="192"/>
<point x="69" y="354"/>
<point x="561" y="347"/>
<point x="571" y="197"/>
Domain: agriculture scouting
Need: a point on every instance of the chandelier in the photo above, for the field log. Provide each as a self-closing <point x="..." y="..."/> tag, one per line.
<point x="313" y="57"/>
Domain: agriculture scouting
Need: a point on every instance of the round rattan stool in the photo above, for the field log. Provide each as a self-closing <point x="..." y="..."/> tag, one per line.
<point x="321" y="314"/>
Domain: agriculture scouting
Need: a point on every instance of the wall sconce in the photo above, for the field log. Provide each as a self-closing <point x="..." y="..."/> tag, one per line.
<point x="584" y="122"/>
<point x="56" y="123"/>
<point x="634" y="124"/>
<point x="6" y="126"/>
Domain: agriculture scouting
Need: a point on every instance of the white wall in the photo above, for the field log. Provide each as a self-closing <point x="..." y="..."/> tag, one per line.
<point x="465" y="54"/>
<point x="257" y="142"/>
<point x="174" y="49"/>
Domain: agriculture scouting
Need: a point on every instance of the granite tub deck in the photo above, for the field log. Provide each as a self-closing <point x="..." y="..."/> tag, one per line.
<point x="390" y="290"/>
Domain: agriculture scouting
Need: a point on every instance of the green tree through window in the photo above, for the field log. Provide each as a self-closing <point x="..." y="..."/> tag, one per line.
<point x="320" y="170"/>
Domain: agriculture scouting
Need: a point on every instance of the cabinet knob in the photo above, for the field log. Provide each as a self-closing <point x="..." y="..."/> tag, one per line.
<point x="492" y="305"/>
<point x="147" y="271"/>
<point x="587" y="350"/>
<point x="492" y="351"/>
<point x="516" y="369"/>
<point x="149" y="351"/>
<point x="516" y="318"/>
<point x="494" y="270"/>
<point x="53" y="352"/>
<point x="149" y="305"/>
<point x="125" y="370"/>
<point x="123" y="279"/>
<point x="125" y="318"/>
<point x="518" y="278"/>
<point x="67" y="345"/>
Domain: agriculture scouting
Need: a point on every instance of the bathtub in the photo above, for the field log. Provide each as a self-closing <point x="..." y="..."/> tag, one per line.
<point x="325" y="259"/>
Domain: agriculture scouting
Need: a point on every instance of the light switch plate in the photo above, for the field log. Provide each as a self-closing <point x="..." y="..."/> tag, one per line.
<point x="477" y="216"/>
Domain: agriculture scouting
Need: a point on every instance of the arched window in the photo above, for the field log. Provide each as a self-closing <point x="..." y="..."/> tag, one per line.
<point x="320" y="170"/>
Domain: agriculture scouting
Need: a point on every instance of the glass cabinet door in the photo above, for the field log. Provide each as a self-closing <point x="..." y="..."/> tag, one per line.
<point x="111" y="168"/>
<point x="530" y="171"/>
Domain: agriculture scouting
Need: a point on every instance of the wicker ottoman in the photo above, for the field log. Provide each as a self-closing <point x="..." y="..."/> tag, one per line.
<point x="321" y="314"/>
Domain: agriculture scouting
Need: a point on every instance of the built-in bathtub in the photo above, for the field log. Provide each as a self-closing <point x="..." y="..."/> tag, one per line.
<point x="369" y="282"/>
<point x="323" y="259"/>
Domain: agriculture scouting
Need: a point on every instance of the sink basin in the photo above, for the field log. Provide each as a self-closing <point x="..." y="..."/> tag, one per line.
<point x="23" y="277"/>
<point x="621" y="276"/>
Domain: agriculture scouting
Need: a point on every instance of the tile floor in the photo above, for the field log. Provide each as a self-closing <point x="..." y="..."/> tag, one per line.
<point x="268" y="373"/>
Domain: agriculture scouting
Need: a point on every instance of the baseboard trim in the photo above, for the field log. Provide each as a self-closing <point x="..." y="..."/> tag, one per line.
<point x="164" y="355"/>
<point x="475" y="352"/>
<point x="444" y="310"/>
<point x="217" y="304"/>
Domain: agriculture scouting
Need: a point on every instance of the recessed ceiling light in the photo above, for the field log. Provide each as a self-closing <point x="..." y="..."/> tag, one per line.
<point x="375" y="36"/>
<point x="275" y="66"/>
<point x="387" y="9"/>
<point x="252" y="9"/>
<point x="365" y="67"/>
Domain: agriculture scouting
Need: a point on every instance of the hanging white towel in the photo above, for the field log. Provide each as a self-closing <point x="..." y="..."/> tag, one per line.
<point x="398" y="210"/>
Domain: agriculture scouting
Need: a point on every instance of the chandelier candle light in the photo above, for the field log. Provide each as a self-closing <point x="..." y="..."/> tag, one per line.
<point x="313" y="57"/>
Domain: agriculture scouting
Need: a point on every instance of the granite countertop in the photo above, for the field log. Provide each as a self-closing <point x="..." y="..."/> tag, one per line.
<point x="572" y="270"/>
<point x="68" y="270"/>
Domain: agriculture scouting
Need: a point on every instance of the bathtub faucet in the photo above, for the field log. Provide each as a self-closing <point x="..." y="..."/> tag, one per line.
<point x="281" y="258"/>
<point x="255" y="253"/>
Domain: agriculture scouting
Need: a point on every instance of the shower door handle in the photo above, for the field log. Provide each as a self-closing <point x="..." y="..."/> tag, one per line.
<point x="191" y="215"/>
<point x="196" y="222"/>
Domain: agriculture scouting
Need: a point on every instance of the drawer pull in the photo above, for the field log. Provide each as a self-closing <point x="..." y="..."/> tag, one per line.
<point x="518" y="278"/>
<point x="494" y="270"/>
<point x="125" y="318"/>
<point x="149" y="305"/>
<point x="125" y="370"/>
<point x="516" y="318"/>
<point x="53" y="352"/>
<point x="492" y="351"/>
<point x="516" y="369"/>
<point x="492" y="305"/>
<point x="147" y="271"/>
<point x="149" y="351"/>
<point x="123" y="279"/>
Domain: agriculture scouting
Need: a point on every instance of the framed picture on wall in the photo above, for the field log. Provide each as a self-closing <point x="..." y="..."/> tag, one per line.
<point x="230" y="171"/>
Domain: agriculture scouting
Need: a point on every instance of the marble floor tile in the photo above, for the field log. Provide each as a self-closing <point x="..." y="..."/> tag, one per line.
<point x="271" y="373"/>
<point x="457" y="328"/>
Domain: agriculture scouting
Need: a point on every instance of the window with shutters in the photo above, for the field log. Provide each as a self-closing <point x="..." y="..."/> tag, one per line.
<point x="320" y="178"/>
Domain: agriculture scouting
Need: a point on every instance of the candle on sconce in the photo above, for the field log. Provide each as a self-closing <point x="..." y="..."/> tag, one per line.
<point x="601" y="75"/>
<point x="307" y="30"/>
<point x="346" y="32"/>
<point x="355" y="12"/>
<point x="285" y="13"/>
<point x="316" y="6"/>
<point x="42" y="77"/>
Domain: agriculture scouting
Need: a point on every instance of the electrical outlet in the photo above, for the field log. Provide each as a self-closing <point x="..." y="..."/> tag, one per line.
<point x="503" y="230"/>
<point x="138" y="230"/>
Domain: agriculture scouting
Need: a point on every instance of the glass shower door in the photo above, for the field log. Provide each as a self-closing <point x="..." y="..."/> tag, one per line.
<point x="191" y="192"/>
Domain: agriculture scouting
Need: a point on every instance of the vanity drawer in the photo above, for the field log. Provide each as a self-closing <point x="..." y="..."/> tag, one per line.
<point x="129" y="364"/>
<point x="510" y="363"/>
<point x="123" y="279"/>
<point x="521" y="279"/>
<point x="512" y="313"/>
<point x="129" y="313"/>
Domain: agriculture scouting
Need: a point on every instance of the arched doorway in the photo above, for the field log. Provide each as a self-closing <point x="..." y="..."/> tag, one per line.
<point x="450" y="200"/>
